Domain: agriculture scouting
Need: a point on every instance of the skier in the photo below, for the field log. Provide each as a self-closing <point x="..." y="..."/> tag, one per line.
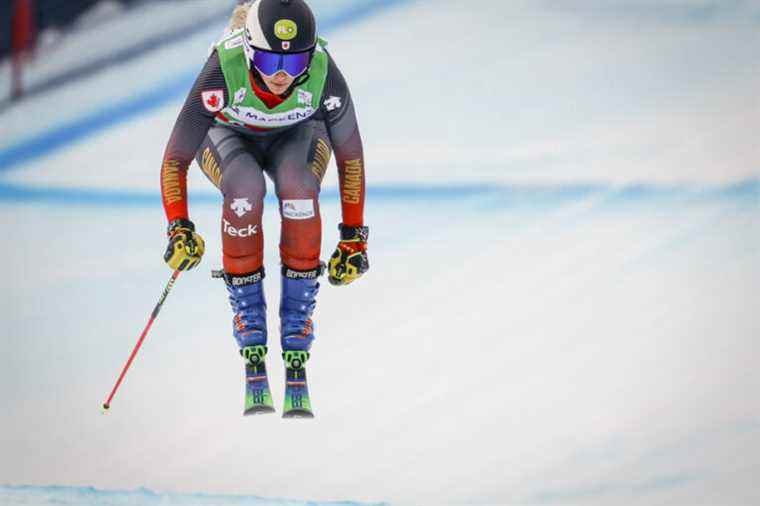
<point x="270" y="99"/>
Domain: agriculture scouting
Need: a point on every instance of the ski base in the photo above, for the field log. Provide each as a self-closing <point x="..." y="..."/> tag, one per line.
<point x="258" y="398"/>
<point x="297" y="402"/>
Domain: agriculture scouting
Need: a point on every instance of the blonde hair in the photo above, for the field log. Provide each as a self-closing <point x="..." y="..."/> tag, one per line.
<point x="237" y="21"/>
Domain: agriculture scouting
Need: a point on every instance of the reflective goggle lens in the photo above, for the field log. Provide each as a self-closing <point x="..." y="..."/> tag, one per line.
<point x="269" y="64"/>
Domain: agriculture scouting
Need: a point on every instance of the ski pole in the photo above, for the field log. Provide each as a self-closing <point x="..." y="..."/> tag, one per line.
<point x="169" y="285"/>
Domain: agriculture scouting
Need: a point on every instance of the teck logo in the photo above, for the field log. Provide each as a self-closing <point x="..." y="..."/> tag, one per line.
<point x="239" y="232"/>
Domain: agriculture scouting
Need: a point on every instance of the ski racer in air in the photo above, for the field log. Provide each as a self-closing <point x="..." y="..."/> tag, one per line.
<point x="270" y="100"/>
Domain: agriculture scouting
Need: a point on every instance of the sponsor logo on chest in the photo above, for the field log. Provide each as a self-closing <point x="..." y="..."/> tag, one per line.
<point x="234" y="42"/>
<point x="304" y="97"/>
<point x="240" y="95"/>
<point x="254" y="117"/>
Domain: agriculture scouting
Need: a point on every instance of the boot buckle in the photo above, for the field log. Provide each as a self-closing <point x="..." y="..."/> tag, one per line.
<point x="254" y="355"/>
<point x="295" y="359"/>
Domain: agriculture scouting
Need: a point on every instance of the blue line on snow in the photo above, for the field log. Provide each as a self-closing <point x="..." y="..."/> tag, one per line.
<point x="118" y="198"/>
<point x="86" y="496"/>
<point x="90" y="124"/>
<point x="505" y="195"/>
<point x="81" y="128"/>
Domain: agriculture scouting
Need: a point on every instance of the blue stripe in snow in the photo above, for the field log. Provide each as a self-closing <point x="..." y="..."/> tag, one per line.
<point x="503" y="195"/>
<point x="117" y="198"/>
<point x="91" y="496"/>
<point x="79" y="129"/>
<point x="129" y="108"/>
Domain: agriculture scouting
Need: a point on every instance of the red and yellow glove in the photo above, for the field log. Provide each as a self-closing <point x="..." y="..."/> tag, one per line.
<point x="185" y="248"/>
<point x="349" y="261"/>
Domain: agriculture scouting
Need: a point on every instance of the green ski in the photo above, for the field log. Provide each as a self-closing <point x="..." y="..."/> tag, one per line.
<point x="258" y="398"/>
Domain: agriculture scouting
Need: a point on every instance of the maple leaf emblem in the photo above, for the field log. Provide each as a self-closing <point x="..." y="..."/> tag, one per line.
<point x="213" y="100"/>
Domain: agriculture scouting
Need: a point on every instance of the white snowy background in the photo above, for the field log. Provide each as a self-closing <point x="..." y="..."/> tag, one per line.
<point x="563" y="301"/>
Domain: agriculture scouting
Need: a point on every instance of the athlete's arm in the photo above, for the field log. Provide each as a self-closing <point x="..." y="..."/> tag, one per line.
<point x="208" y="95"/>
<point x="343" y="129"/>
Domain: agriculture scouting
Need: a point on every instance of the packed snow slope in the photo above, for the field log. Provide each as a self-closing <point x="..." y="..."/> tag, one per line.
<point x="29" y="495"/>
<point x="562" y="306"/>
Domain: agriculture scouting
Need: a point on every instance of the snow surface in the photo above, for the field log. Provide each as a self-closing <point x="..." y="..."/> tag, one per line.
<point x="90" y="496"/>
<point x="535" y="328"/>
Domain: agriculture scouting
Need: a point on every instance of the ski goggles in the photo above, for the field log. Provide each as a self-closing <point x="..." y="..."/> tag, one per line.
<point x="293" y="64"/>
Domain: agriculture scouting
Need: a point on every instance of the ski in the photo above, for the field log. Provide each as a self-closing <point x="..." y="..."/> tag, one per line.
<point x="297" y="402"/>
<point x="258" y="398"/>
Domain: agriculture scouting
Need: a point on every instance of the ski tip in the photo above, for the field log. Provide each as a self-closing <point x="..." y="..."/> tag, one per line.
<point x="298" y="413"/>
<point x="258" y="410"/>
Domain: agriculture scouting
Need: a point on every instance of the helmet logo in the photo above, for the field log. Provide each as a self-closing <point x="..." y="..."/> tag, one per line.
<point x="286" y="29"/>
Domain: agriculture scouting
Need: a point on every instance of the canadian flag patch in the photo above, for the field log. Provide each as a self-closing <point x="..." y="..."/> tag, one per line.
<point x="213" y="100"/>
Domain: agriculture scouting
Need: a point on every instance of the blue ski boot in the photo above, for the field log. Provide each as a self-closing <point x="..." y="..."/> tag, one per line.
<point x="297" y="303"/>
<point x="249" y="326"/>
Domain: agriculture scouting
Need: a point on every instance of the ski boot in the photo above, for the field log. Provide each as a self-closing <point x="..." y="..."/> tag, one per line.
<point x="297" y="302"/>
<point x="249" y="326"/>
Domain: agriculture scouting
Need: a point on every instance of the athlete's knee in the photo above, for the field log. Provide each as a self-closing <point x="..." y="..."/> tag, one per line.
<point x="296" y="182"/>
<point x="242" y="181"/>
<point x="243" y="205"/>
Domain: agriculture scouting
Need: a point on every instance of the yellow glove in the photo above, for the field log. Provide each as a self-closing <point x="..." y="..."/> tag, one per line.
<point x="350" y="261"/>
<point x="185" y="247"/>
